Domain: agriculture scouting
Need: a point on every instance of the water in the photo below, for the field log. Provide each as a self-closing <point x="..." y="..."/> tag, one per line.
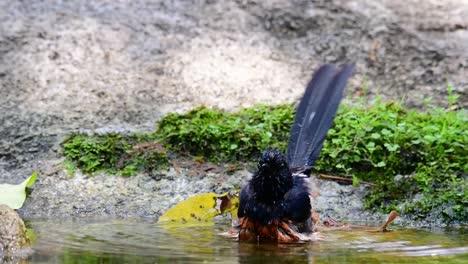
<point x="138" y="241"/>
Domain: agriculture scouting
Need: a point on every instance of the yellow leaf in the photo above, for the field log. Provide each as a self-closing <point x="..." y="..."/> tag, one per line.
<point x="201" y="209"/>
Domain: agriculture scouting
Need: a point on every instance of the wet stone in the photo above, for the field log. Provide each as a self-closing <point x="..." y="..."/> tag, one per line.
<point x="13" y="239"/>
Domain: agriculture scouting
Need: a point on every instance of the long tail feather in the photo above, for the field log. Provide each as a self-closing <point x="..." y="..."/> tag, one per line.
<point x="315" y="115"/>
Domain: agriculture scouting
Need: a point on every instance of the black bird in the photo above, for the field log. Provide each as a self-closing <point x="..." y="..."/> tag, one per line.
<point x="275" y="205"/>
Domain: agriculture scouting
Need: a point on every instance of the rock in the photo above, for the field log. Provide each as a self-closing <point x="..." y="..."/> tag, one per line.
<point x="111" y="195"/>
<point x="340" y="202"/>
<point x="13" y="239"/>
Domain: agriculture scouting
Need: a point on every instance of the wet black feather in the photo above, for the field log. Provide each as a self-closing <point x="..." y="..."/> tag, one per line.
<point x="315" y="115"/>
<point x="263" y="197"/>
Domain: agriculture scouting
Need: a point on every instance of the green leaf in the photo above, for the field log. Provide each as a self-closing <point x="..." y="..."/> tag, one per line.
<point x="386" y="132"/>
<point x="14" y="195"/>
<point x="31" y="235"/>
<point x="32" y="179"/>
<point x="380" y="164"/>
<point x="391" y="147"/>
<point x="355" y="181"/>
<point x="370" y="146"/>
<point x="201" y="209"/>
<point x="233" y="146"/>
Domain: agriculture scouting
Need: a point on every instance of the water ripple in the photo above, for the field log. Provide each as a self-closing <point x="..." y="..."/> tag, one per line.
<point x="137" y="241"/>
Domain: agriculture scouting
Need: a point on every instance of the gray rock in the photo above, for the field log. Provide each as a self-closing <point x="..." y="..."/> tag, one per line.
<point x="13" y="240"/>
<point x="60" y="195"/>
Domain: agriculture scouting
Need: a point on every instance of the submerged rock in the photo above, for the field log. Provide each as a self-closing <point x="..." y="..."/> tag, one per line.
<point x="13" y="239"/>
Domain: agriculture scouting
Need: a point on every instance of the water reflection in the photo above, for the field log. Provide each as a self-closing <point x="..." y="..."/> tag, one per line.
<point x="136" y="241"/>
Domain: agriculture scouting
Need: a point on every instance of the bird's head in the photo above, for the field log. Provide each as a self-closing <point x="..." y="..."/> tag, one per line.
<point x="273" y="178"/>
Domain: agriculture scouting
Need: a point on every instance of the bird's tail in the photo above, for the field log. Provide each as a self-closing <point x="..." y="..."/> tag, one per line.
<point x="315" y="115"/>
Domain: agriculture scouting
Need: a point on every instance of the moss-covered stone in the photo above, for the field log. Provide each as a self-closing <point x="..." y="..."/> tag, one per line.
<point x="13" y="239"/>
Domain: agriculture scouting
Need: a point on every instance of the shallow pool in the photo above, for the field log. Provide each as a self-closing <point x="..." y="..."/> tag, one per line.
<point x="139" y="241"/>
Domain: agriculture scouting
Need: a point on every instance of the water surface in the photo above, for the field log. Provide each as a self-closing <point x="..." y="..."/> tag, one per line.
<point x="138" y="241"/>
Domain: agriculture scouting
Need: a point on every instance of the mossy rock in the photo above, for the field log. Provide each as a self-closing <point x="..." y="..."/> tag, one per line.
<point x="13" y="239"/>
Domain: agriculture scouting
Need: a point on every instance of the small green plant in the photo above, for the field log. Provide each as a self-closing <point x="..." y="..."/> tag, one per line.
<point x="451" y="96"/>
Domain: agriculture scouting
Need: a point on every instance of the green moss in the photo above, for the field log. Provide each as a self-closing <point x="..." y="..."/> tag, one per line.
<point x="147" y="157"/>
<point x="113" y="153"/>
<point x="222" y="136"/>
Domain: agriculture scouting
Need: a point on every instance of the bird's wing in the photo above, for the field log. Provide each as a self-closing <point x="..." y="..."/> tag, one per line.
<point x="297" y="201"/>
<point x="315" y="115"/>
<point x="245" y="199"/>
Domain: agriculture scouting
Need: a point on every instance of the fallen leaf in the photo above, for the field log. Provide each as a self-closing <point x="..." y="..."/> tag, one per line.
<point x="14" y="195"/>
<point x="201" y="209"/>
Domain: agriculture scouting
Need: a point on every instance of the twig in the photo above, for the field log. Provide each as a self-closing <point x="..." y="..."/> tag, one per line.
<point x="338" y="178"/>
<point x="391" y="217"/>
<point x="332" y="224"/>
